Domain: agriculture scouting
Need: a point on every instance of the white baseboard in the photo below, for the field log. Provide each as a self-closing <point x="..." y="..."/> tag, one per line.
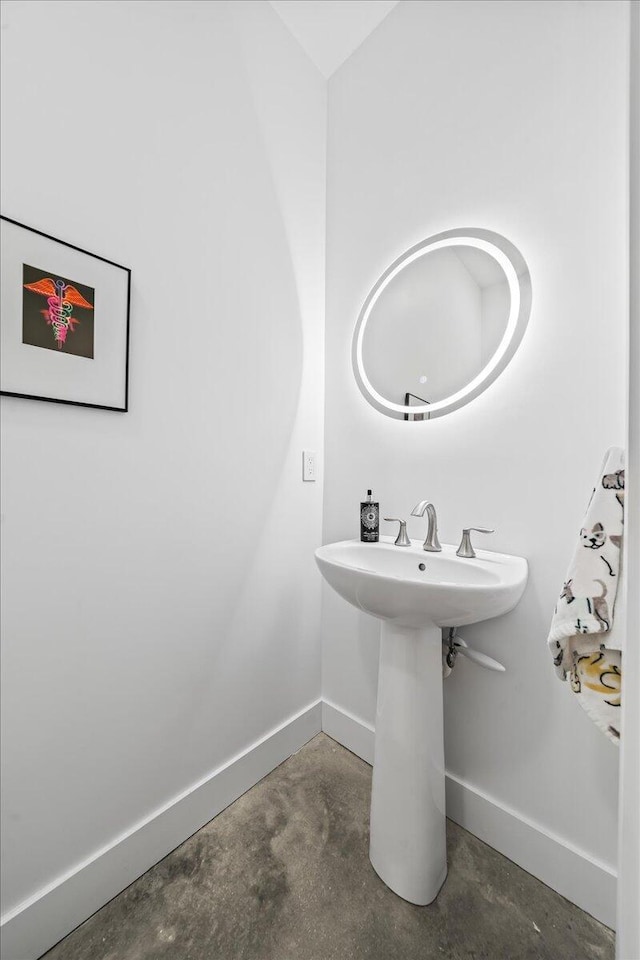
<point x="353" y="733"/>
<point x="38" y="923"/>
<point x="573" y="873"/>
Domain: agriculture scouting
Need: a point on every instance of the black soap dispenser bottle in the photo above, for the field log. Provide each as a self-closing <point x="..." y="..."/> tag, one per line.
<point x="369" y="520"/>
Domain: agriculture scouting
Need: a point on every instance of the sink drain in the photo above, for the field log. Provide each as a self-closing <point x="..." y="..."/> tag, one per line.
<point x="421" y="566"/>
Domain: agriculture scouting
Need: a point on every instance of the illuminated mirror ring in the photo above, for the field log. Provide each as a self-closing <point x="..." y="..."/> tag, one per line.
<point x="515" y="275"/>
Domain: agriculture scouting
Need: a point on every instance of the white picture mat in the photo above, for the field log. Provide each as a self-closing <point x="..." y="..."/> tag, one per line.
<point x="52" y="373"/>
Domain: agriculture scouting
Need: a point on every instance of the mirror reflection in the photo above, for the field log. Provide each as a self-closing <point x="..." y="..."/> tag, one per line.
<point x="435" y="326"/>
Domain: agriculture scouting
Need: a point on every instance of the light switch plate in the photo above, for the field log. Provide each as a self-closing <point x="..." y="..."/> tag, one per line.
<point x="308" y="465"/>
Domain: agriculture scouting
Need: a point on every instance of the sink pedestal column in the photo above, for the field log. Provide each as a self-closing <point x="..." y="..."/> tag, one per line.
<point x="408" y="834"/>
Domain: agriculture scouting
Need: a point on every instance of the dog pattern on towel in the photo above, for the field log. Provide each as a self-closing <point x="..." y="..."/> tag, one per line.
<point x="584" y="613"/>
<point x="594" y="607"/>
<point x="597" y="677"/>
<point x="586" y="588"/>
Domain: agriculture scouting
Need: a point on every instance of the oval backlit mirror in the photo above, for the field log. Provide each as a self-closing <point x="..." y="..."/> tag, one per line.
<point x="441" y="324"/>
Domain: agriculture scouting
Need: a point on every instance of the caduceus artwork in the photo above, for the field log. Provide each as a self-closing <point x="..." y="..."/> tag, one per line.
<point x="57" y="313"/>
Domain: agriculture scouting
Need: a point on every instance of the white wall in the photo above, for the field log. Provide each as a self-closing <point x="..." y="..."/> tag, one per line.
<point x="161" y="602"/>
<point x="495" y="313"/>
<point x="628" y="938"/>
<point x="510" y="117"/>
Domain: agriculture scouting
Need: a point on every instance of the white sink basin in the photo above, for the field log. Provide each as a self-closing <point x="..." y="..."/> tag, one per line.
<point x="387" y="582"/>
<point x="408" y="836"/>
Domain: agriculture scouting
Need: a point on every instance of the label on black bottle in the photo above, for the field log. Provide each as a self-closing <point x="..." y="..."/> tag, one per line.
<point x="369" y="522"/>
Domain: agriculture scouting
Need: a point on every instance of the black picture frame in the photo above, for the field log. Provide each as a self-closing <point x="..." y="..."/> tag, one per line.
<point x="123" y="332"/>
<point x="408" y="397"/>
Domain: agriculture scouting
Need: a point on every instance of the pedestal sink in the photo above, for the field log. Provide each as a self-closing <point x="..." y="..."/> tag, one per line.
<point x="415" y="594"/>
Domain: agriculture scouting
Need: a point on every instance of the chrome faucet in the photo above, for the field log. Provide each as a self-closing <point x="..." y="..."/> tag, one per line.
<point x="466" y="549"/>
<point x="432" y="544"/>
<point x="402" y="540"/>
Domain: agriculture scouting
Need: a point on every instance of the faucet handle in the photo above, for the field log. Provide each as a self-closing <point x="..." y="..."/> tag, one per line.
<point x="402" y="540"/>
<point x="466" y="549"/>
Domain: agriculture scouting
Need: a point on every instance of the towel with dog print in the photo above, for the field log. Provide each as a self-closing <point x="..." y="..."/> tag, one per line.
<point x="586" y="645"/>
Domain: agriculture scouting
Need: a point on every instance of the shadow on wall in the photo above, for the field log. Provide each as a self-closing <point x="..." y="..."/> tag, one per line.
<point x="167" y="503"/>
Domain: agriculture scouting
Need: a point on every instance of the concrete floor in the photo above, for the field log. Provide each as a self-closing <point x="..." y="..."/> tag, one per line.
<point x="283" y="874"/>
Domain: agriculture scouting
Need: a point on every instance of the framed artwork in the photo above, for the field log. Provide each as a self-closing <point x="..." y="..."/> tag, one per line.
<point x="64" y="321"/>
<point x="410" y="399"/>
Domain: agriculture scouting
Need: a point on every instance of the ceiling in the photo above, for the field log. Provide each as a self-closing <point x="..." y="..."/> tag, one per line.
<point x="330" y="30"/>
